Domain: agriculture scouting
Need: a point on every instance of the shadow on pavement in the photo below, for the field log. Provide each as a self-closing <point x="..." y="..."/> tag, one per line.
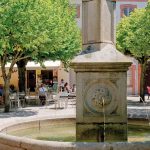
<point x="138" y="103"/>
<point x="18" y="113"/>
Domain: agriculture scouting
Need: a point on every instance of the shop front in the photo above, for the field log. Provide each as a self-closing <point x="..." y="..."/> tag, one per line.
<point x="36" y="75"/>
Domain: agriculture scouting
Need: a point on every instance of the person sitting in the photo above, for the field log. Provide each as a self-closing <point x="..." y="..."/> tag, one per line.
<point x="1" y="90"/>
<point x="1" y="94"/>
<point x="42" y="94"/>
<point x="73" y="88"/>
<point x="50" y="84"/>
<point x="148" y="91"/>
<point x="12" y="89"/>
<point x="61" y="86"/>
<point x="66" y="88"/>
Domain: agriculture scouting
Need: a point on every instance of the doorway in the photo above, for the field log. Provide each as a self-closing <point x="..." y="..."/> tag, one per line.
<point x="31" y="80"/>
<point x="46" y="75"/>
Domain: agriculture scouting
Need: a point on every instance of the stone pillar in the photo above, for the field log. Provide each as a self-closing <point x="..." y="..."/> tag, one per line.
<point x="98" y="23"/>
<point x="101" y="78"/>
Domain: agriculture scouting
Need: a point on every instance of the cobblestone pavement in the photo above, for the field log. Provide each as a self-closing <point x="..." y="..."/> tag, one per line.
<point x="135" y="110"/>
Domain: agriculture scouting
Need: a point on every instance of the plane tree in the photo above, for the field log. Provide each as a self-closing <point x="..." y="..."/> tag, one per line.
<point x="35" y="30"/>
<point x="66" y="40"/>
<point x="133" y="38"/>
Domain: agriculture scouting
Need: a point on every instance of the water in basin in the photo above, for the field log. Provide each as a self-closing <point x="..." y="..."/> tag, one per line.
<point x="65" y="131"/>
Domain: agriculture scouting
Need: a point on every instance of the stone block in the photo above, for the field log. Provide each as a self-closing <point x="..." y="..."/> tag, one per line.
<point x="101" y="97"/>
<point x="7" y="147"/>
<point x="95" y="132"/>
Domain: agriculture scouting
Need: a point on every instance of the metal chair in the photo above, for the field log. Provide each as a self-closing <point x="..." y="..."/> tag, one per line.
<point x="27" y="92"/>
<point x="14" y="100"/>
<point x="32" y="98"/>
<point x="61" y="100"/>
<point x="21" y="96"/>
<point x="49" y="98"/>
<point x="72" y="98"/>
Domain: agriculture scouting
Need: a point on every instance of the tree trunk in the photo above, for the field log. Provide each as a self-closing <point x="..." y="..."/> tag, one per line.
<point x="142" y="82"/>
<point x="21" y="74"/>
<point x="6" y="95"/>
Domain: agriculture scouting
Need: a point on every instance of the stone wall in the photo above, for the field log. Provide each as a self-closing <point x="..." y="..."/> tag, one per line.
<point x="8" y="142"/>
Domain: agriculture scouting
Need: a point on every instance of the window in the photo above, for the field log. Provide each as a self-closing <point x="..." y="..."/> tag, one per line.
<point x="127" y="11"/>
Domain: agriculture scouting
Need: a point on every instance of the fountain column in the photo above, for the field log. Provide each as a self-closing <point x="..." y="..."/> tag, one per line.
<point x="101" y="77"/>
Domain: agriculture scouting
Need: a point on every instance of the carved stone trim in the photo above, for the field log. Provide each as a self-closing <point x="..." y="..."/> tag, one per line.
<point x="100" y="97"/>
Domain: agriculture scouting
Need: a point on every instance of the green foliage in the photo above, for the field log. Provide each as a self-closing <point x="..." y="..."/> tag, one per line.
<point x="133" y="36"/>
<point x="36" y="28"/>
<point x="66" y="35"/>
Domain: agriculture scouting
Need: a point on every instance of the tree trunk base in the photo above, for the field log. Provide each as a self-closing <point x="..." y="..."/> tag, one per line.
<point x="7" y="107"/>
<point x="142" y="99"/>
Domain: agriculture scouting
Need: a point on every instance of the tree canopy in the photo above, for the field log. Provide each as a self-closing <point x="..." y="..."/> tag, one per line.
<point x="133" y="38"/>
<point x="36" y="29"/>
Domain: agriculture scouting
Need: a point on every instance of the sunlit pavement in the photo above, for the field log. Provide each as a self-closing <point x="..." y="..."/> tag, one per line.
<point x="135" y="110"/>
<point x="35" y="113"/>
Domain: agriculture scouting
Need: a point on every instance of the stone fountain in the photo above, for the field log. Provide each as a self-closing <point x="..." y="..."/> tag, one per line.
<point x="101" y="92"/>
<point x="101" y="77"/>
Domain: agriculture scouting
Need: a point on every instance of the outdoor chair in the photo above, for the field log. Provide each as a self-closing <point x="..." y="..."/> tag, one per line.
<point x="61" y="100"/>
<point x="14" y="100"/>
<point x="1" y="100"/>
<point x="72" y="102"/>
<point x="72" y="98"/>
<point x="28" y="92"/>
<point x="21" y="96"/>
<point x="148" y="91"/>
<point x="30" y="99"/>
<point x="49" y="98"/>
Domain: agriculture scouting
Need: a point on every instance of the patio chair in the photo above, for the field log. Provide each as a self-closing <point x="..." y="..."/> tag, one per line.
<point x="72" y="99"/>
<point x="28" y="92"/>
<point x="14" y="100"/>
<point x="1" y="100"/>
<point x="49" y="98"/>
<point x="21" y="96"/>
<point x="32" y="99"/>
<point x="72" y="102"/>
<point x="61" y="100"/>
<point x="148" y="91"/>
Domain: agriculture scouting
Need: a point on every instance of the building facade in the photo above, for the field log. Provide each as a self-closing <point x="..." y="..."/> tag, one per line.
<point x="35" y="74"/>
<point x="123" y="8"/>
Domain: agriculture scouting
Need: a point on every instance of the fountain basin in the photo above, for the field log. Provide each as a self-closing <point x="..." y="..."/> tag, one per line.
<point x="22" y="143"/>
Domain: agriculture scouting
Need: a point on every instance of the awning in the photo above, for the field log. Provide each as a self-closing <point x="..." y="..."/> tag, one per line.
<point x="48" y="65"/>
<point x="31" y="65"/>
